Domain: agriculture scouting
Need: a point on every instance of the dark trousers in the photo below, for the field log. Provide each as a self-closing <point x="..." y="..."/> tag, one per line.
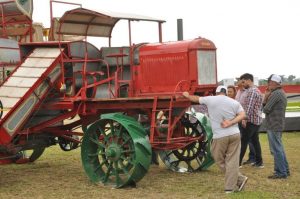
<point x="250" y="133"/>
<point x="251" y="152"/>
<point x="251" y="147"/>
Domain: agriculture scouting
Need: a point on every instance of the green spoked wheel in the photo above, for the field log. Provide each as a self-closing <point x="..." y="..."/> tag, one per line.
<point x="195" y="156"/>
<point x="116" y="151"/>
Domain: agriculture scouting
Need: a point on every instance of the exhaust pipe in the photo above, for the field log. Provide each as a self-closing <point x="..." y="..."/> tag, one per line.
<point x="179" y="30"/>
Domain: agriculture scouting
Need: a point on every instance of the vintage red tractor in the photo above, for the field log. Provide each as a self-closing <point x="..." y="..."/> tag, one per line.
<point x="120" y="104"/>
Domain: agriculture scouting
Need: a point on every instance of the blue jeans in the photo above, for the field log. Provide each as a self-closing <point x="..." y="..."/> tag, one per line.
<point x="281" y="166"/>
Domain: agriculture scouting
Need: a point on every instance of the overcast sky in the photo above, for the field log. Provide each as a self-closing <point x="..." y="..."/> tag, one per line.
<point x="256" y="36"/>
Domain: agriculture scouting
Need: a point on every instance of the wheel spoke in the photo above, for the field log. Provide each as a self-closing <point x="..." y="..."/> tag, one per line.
<point x="118" y="178"/>
<point x="125" y="142"/>
<point x="129" y="161"/>
<point x="93" y="154"/>
<point x="101" y="130"/>
<point x="199" y="161"/>
<point x="97" y="142"/>
<point x="112" y="128"/>
<point x="128" y="151"/>
<point x="190" y="168"/>
<point x="100" y="165"/>
<point x="108" y="172"/>
<point x="175" y="163"/>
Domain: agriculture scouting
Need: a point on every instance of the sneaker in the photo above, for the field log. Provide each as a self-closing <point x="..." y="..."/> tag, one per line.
<point x="242" y="185"/>
<point x="240" y="166"/>
<point x="229" y="191"/>
<point x="251" y="162"/>
<point x="259" y="165"/>
<point x="275" y="176"/>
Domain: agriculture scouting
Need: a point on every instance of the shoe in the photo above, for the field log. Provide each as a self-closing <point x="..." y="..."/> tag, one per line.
<point x="251" y="162"/>
<point x="240" y="166"/>
<point x="259" y="165"/>
<point x="275" y="176"/>
<point x="229" y="191"/>
<point x="241" y="187"/>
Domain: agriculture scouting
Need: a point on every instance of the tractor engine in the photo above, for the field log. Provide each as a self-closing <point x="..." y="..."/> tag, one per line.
<point x="162" y="67"/>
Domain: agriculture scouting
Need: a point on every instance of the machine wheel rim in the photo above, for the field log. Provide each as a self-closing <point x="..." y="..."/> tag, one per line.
<point x="195" y="156"/>
<point x="114" y="152"/>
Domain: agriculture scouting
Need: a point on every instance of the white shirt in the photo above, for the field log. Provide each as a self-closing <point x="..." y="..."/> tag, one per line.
<point x="220" y="108"/>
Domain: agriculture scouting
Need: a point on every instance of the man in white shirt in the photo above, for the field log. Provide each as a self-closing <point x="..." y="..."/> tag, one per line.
<point x="225" y="114"/>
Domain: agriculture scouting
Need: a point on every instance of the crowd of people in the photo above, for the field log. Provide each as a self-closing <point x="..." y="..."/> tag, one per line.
<point x="235" y="114"/>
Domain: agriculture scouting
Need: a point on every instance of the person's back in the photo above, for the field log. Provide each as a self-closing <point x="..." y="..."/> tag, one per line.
<point x="221" y="108"/>
<point x="224" y="115"/>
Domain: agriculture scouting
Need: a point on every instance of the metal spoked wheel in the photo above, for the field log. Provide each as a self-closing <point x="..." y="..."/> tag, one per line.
<point x="30" y="155"/>
<point x="67" y="145"/>
<point x="115" y="151"/>
<point x="195" y="156"/>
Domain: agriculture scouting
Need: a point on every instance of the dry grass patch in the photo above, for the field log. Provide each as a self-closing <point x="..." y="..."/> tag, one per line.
<point x="59" y="174"/>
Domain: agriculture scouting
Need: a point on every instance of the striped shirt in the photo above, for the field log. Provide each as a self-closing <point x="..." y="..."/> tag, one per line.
<point x="241" y="96"/>
<point x="275" y="110"/>
<point x="253" y="105"/>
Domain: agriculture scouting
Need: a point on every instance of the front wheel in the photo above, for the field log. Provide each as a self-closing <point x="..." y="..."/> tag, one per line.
<point x="116" y="151"/>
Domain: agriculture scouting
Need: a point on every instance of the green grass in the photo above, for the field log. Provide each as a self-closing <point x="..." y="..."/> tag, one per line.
<point x="293" y="106"/>
<point x="59" y="174"/>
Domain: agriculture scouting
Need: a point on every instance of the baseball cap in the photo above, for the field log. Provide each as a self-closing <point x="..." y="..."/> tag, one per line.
<point x="222" y="89"/>
<point x="275" y="78"/>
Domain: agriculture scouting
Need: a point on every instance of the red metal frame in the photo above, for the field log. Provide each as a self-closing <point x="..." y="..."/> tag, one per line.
<point x="5" y="24"/>
<point x="164" y="99"/>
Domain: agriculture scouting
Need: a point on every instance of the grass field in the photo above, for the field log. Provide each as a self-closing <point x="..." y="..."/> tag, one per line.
<point x="293" y="106"/>
<point x="59" y="174"/>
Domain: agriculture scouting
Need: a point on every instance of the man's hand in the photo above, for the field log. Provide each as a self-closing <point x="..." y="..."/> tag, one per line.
<point x="267" y="95"/>
<point x="185" y="94"/>
<point x="226" y="123"/>
<point x="244" y="123"/>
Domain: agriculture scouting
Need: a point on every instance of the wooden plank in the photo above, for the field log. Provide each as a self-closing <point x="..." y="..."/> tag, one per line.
<point x="12" y="91"/>
<point x="46" y="52"/>
<point x="29" y="72"/>
<point x="9" y="102"/>
<point x="37" y="63"/>
<point x="20" y="82"/>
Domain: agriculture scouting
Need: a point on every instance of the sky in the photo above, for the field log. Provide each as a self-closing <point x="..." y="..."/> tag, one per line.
<point x="261" y="37"/>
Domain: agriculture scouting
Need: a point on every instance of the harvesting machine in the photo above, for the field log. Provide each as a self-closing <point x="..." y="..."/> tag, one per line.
<point x="119" y="104"/>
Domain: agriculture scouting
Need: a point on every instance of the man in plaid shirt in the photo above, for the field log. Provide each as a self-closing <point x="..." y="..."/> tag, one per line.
<point x="253" y="109"/>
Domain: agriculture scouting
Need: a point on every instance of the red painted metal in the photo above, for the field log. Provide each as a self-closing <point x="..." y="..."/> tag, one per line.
<point x="155" y="85"/>
<point x="162" y="66"/>
<point x="286" y="88"/>
<point x="6" y="24"/>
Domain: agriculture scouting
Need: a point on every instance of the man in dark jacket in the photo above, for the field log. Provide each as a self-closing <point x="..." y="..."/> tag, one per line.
<point x="275" y="103"/>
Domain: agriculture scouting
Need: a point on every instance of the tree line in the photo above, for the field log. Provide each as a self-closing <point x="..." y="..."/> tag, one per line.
<point x="291" y="80"/>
